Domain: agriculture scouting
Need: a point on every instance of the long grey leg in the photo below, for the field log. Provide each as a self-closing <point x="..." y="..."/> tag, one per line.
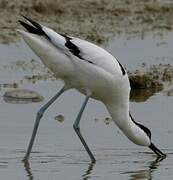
<point x="77" y="130"/>
<point x="37" y="121"/>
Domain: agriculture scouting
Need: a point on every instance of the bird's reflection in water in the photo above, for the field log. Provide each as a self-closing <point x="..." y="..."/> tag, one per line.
<point x="87" y="174"/>
<point x="30" y="176"/>
<point x="28" y="170"/>
<point x="145" y="174"/>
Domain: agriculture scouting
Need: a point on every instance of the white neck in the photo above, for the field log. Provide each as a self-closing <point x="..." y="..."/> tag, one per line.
<point x="120" y="115"/>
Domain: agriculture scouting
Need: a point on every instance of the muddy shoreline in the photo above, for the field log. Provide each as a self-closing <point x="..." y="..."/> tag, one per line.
<point x="94" y="20"/>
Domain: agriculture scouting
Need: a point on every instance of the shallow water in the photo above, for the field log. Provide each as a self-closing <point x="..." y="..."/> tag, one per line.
<point x="57" y="153"/>
<point x="148" y="49"/>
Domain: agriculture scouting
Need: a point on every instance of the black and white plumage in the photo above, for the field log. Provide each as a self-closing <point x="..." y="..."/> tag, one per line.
<point x="92" y="71"/>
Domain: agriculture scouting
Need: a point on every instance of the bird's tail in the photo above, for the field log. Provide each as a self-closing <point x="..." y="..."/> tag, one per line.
<point x="34" y="27"/>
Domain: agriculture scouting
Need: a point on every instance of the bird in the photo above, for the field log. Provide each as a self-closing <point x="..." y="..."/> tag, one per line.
<point x="92" y="71"/>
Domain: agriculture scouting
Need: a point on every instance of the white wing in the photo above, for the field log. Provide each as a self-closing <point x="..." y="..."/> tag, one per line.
<point x="86" y="51"/>
<point x="98" y="56"/>
<point x="77" y="48"/>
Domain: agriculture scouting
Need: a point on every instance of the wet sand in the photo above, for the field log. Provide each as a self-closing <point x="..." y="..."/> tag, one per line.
<point x="94" y="20"/>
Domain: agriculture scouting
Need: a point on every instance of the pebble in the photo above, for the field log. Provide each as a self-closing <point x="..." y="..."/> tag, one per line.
<point x="22" y="96"/>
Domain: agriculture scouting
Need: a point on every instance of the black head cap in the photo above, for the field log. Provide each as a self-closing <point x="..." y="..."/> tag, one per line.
<point x="148" y="132"/>
<point x="145" y="129"/>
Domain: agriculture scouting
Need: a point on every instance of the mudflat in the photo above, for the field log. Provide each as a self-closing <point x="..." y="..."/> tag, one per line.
<point x="94" y="20"/>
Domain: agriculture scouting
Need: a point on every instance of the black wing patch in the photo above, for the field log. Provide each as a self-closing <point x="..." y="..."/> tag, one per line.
<point x="73" y="48"/>
<point x="145" y="129"/>
<point x="122" y="69"/>
<point x="35" y="28"/>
